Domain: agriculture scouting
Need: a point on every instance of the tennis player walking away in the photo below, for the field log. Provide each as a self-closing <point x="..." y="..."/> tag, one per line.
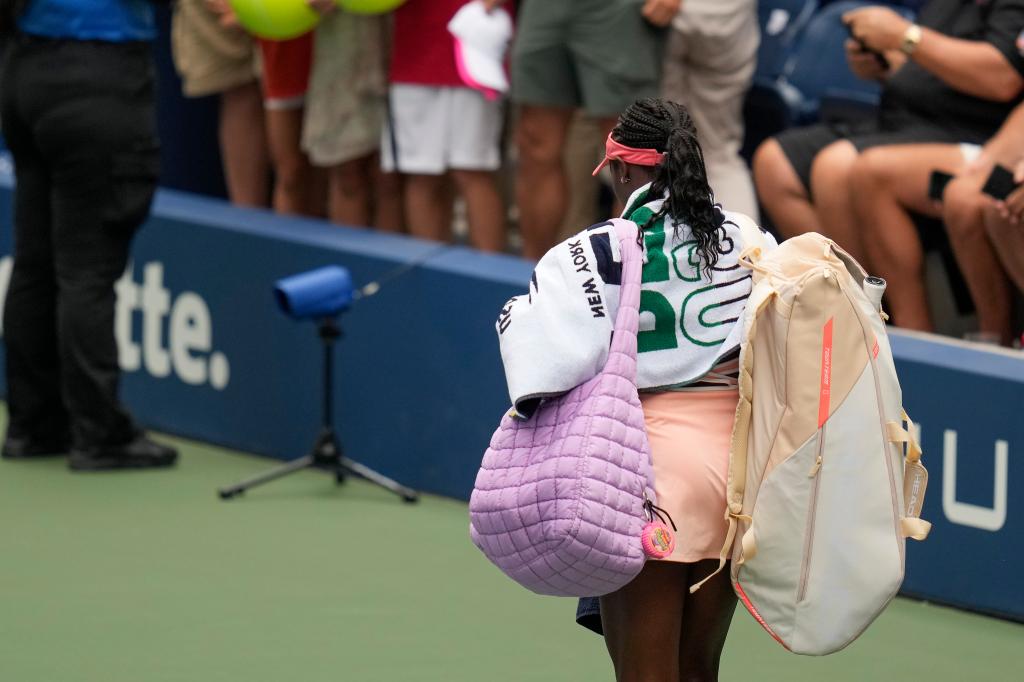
<point x="692" y="295"/>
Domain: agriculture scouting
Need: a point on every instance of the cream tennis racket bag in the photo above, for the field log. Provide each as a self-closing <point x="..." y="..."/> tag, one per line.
<point x="825" y="480"/>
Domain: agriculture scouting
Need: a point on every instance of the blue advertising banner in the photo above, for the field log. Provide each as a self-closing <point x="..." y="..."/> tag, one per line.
<point x="969" y="406"/>
<point x="206" y="354"/>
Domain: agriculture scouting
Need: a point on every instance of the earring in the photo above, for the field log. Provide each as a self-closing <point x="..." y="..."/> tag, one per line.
<point x="623" y="180"/>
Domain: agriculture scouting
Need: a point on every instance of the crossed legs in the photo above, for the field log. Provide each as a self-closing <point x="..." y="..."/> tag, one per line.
<point x="788" y="201"/>
<point x="888" y="183"/>
<point x="864" y="202"/>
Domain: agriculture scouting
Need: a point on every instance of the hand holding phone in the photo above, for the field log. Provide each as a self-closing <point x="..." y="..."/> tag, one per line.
<point x="878" y="56"/>
<point x="1010" y="206"/>
<point x="1000" y="183"/>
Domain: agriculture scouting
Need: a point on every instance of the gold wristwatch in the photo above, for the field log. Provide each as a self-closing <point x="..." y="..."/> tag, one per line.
<point x="911" y="39"/>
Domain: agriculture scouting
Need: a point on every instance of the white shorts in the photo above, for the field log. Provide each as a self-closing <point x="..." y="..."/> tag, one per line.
<point x="970" y="152"/>
<point x="441" y="128"/>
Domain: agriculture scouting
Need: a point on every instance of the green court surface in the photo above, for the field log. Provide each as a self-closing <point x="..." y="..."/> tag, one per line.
<point x="148" y="576"/>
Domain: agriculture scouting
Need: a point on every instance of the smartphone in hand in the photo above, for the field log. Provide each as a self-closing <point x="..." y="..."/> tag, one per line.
<point x="1000" y="183"/>
<point x="879" y="57"/>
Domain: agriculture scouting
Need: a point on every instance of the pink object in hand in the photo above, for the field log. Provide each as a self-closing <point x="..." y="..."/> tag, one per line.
<point x="559" y="499"/>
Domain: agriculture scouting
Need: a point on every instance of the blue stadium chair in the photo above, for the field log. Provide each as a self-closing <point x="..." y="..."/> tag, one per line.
<point x="818" y="65"/>
<point x="815" y="70"/>
<point x="847" y="97"/>
<point x="781" y="23"/>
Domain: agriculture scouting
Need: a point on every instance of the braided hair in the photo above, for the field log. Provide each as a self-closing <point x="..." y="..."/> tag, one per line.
<point x="666" y="126"/>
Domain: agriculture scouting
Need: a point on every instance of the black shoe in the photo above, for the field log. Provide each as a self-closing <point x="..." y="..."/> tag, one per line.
<point x="141" y="453"/>
<point x="26" y="448"/>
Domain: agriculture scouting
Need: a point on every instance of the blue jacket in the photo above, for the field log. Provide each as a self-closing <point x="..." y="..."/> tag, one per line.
<point x="106" y="20"/>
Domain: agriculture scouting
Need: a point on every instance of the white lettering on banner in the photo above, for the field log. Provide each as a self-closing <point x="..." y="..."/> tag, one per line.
<point x="189" y="331"/>
<point x="191" y="322"/>
<point x="156" y="303"/>
<point x="187" y="351"/>
<point x="973" y="515"/>
<point x="6" y="265"/>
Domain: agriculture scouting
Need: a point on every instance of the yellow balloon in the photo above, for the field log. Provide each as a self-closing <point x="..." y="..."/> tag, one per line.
<point x="369" y="6"/>
<point x="275" y="19"/>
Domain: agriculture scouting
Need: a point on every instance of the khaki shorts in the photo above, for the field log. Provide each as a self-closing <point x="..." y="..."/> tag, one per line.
<point x="209" y="58"/>
<point x="347" y="95"/>
<point x="601" y="55"/>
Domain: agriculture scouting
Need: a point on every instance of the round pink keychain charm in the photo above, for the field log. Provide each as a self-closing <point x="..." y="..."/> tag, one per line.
<point x="658" y="540"/>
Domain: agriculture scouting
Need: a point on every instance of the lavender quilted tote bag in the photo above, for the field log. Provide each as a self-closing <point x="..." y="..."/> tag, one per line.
<point x="560" y="502"/>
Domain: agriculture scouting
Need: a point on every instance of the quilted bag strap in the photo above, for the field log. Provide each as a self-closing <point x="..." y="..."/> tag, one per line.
<point x="622" y="355"/>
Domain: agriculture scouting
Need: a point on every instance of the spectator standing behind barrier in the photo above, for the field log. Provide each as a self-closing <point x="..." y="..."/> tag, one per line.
<point x="286" y="74"/>
<point x="286" y="67"/>
<point x="439" y="126"/>
<point x="951" y="78"/>
<point x="345" y="113"/>
<point x="79" y="117"/>
<point x="600" y="55"/>
<point x="214" y="58"/>
<point x="988" y="235"/>
<point x="709" y="63"/>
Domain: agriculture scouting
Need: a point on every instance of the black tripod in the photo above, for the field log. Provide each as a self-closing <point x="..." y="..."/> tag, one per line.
<point x="326" y="452"/>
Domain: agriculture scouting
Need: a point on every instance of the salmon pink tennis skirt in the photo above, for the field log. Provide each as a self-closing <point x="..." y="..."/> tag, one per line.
<point x="690" y="433"/>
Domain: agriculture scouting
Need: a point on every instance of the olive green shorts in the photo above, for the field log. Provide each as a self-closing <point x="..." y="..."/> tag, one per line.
<point x="600" y="55"/>
<point x="347" y="97"/>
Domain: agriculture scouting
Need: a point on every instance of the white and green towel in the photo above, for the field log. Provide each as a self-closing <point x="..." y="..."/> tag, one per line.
<point x="556" y="336"/>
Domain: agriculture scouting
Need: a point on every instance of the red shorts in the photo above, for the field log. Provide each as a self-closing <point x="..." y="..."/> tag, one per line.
<point x="286" y="68"/>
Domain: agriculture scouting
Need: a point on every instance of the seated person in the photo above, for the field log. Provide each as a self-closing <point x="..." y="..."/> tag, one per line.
<point x="987" y="234"/>
<point x="951" y="78"/>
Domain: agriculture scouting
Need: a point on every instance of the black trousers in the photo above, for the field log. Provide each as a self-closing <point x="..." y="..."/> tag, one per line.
<point x="79" y="119"/>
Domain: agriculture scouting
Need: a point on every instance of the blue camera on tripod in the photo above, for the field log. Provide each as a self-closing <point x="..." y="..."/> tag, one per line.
<point x="316" y="294"/>
<point x="321" y="295"/>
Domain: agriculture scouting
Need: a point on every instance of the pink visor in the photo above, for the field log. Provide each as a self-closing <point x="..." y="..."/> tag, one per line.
<point x="638" y="157"/>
